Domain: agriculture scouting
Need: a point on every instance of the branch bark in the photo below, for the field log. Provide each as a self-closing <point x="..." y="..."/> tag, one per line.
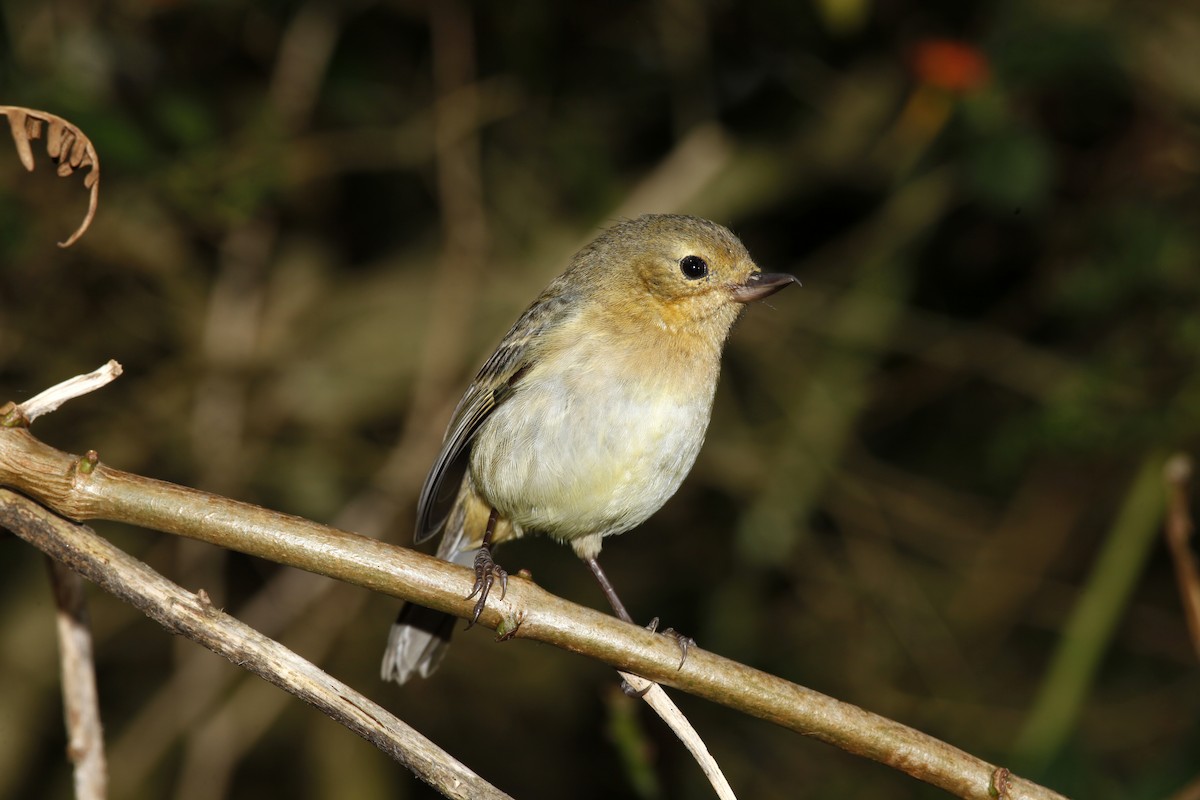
<point x="82" y="488"/>
<point x="81" y="704"/>
<point x="194" y="616"/>
<point x="1179" y="530"/>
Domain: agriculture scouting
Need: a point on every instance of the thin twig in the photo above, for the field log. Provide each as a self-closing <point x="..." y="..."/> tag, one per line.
<point x="665" y="707"/>
<point x="193" y="616"/>
<point x="99" y="492"/>
<point x="194" y="692"/>
<point x="81" y="705"/>
<point x="1190" y="791"/>
<point x="1179" y="529"/>
<point x="1093" y="619"/>
<point x="45" y="402"/>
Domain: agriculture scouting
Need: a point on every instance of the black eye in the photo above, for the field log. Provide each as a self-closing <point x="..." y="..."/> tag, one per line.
<point x="693" y="267"/>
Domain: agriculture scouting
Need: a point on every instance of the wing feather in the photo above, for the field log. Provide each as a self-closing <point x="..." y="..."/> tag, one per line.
<point x="495" y="383"/>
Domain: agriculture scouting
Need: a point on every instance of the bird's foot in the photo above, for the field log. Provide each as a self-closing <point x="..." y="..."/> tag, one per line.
<point x="487" y="572"/>
<point x="682" y="641"/>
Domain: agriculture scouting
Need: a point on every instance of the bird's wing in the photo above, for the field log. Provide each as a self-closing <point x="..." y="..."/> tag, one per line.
<point x="494" y="384"/>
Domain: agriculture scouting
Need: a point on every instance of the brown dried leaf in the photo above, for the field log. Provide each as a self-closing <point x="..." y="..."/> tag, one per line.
<point x="54" y="142"/>
<point x="16" y="121"/>
<point x="66" y="144"/>
<point x="79" y="153"/>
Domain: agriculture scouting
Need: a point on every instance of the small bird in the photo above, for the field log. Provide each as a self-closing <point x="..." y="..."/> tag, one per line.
<point x="591" y="411"/>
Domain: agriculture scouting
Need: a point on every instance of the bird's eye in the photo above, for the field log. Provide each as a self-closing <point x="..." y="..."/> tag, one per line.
<point x="693" y="267"/>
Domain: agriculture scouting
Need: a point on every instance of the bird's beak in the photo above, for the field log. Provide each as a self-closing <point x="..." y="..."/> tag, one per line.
<point x="762" y="284"/>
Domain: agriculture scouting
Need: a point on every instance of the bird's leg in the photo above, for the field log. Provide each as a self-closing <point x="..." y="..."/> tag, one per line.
<point x="486" y="570"/>
<point x="684" y="642"/>
<point x="609" y="591"/>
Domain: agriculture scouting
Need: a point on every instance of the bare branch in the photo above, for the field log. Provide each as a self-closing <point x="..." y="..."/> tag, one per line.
<point x="45" y="402"/>
<point x="666" y="709"/>
<point x="1189" y="792"/>
<point x="1178" y="474"/>
<point x="193" y="616"/>
<point x="81" y="704"/>
<point x="99" y="492"/>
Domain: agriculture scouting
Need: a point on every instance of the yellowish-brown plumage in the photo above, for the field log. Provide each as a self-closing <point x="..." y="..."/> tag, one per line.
<point x="594" y="406"/>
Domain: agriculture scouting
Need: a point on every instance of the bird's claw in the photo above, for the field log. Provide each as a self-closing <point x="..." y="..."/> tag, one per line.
<point x="682" y="641"/>
<point x="486" y="573"/>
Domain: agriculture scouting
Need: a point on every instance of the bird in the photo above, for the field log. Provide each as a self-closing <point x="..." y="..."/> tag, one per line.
<point x="589" y="414"/>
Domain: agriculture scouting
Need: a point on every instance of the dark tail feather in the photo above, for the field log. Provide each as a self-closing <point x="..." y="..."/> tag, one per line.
<point x="419" y="637"/>
<point x="417" y="643"/>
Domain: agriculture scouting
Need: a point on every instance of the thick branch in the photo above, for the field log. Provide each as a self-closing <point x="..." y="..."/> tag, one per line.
<point x="84" y="489"/>
<point x="178" y="610"/>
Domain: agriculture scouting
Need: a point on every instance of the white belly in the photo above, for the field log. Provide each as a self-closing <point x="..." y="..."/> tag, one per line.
<point x="587" y="452"/>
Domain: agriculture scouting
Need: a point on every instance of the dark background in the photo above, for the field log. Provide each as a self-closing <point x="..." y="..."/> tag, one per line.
<point x="317" y="219"/>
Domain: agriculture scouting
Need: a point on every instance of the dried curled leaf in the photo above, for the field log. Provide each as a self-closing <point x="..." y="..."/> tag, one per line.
<point x="66" y="144"/>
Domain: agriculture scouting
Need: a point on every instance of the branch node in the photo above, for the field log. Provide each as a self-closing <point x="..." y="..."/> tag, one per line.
<point x="206" y="603"/>
<point x="13" y="416"/>
<point x="88" y="463"/>
<point x="1001" y="784"/>
<point x="508" y="626"/>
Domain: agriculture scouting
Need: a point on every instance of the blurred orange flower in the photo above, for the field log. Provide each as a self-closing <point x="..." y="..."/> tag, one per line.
<point x="950" y="64"/>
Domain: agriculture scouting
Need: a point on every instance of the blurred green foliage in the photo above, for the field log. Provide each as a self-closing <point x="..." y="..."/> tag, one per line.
<point x="316" y="220"/>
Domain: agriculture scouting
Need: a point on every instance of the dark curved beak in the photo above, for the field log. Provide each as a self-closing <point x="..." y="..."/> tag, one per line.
<point x="762" y="284"/>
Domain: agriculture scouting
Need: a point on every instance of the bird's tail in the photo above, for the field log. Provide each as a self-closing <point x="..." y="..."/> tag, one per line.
<point x="417" y="643"/>
<point x="419" y="637"/>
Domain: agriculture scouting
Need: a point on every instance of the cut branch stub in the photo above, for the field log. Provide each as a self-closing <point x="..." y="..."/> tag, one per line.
<point x="66" y="144"/>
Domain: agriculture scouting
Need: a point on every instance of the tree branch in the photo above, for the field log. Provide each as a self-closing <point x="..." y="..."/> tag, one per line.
<point x="1179" y="529"/>
<point x="85" y="489"/>
<point x="194" y="616"/>
<point x="81" y="705"/>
